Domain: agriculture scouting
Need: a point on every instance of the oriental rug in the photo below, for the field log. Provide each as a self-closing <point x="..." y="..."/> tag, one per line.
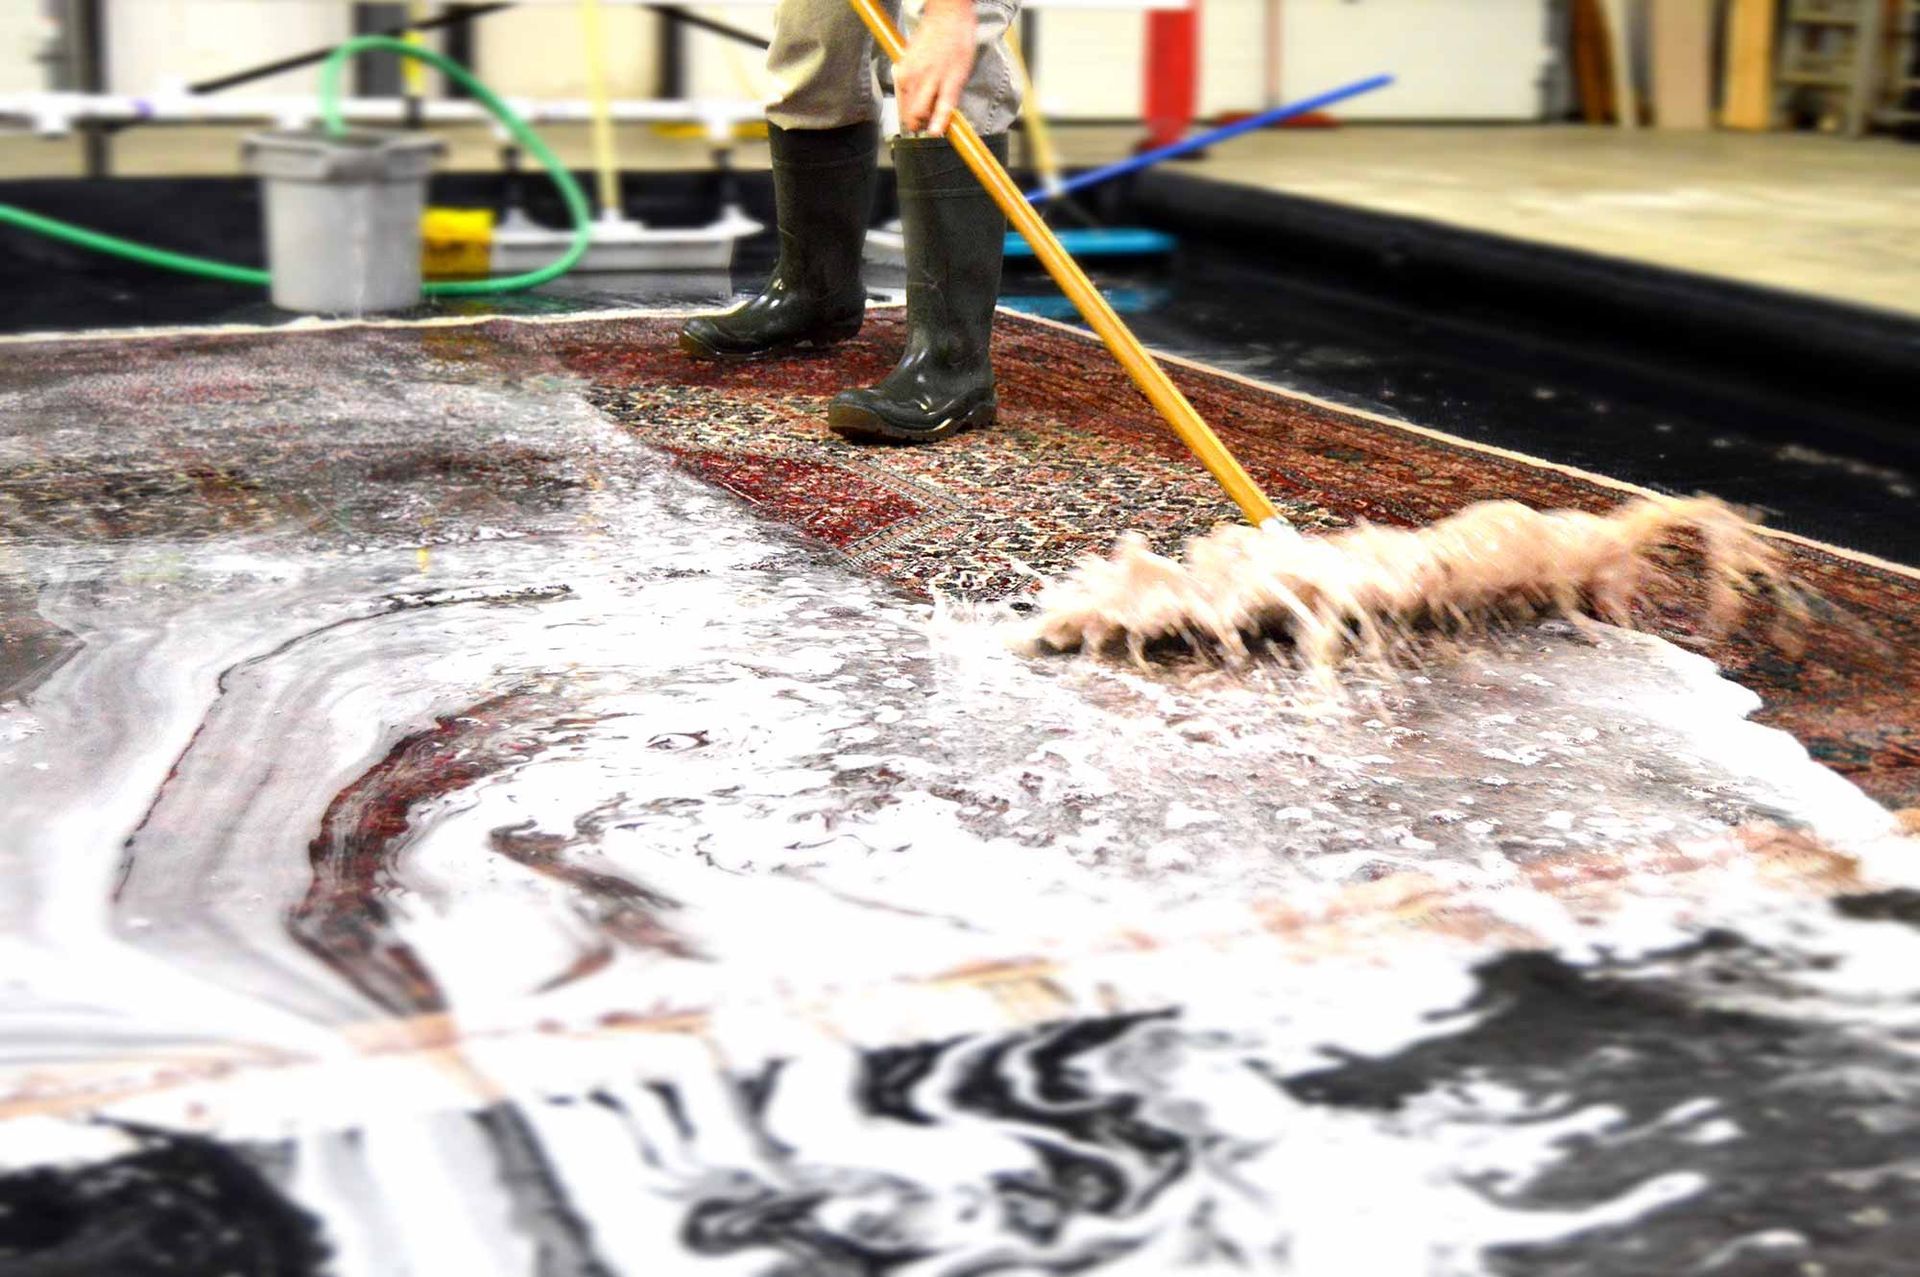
<point x="1079" y="457"/>
<point x="430" y="796"/>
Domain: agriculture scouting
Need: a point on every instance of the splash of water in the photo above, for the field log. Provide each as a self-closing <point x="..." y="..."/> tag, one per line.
<point x="1362" y="590"/>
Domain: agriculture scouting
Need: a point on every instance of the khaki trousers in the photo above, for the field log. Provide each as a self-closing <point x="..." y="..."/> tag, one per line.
<point x="823" y="60"/>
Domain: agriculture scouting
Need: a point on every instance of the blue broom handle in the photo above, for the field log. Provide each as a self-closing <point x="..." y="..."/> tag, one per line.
<point x="1147" y="159"/>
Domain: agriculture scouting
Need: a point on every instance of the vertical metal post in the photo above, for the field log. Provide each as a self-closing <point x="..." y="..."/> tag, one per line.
<point x="459" y="42"/>
<point x="85" y="29"/>
<point x="1029" y="48"/>
<point x="378" y="75"/>
<point x="671" y="66"/>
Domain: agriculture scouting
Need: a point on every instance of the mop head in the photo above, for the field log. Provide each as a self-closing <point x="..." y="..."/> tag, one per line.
<point x="1368" y="591"/>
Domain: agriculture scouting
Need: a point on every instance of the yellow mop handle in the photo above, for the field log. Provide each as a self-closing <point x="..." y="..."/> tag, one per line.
<point x="1140" y="366"/>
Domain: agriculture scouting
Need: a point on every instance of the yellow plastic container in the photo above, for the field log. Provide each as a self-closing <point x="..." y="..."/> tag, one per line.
<point x="456" y="243"/>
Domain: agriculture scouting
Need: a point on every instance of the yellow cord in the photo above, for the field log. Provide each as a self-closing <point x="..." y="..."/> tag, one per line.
<point x="412" y="70"/>
<point x="1045" y="159"/>
<point x="605" y="163"/>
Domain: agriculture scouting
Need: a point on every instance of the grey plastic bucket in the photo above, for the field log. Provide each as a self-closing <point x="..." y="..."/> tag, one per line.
<point x="343" y="217"/>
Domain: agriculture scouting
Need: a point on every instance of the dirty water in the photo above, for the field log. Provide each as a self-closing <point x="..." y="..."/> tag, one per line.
<point x="442" y="837"/>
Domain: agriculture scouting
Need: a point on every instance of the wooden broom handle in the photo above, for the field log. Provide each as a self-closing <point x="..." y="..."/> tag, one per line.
<point x="1140" y="366"/>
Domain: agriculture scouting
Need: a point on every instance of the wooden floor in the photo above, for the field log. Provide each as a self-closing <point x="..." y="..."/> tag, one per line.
<point x="1809" y="214"/>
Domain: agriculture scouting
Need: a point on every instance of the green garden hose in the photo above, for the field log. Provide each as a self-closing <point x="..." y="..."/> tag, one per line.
<point x="114" y="246"/>
<point x="207" y="268"/>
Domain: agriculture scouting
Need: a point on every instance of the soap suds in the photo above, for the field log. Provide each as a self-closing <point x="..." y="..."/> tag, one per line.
<point x="1359" y="592"/>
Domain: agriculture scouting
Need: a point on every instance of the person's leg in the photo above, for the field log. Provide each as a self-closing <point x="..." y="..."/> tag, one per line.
<point x="822" y="63"/>
<point x="955" y="234"/>
<point x="991" y="101"/>
<point x="825" y="143"/>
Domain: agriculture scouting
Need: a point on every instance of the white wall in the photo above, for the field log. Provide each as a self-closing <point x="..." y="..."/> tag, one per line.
<point x="717" y="67"/>
<point x="160" y="44"/>
<point x="1234" y="36"/>
<point x="537" y="51"/>
<point x="1090" y="64"/>
<point x="541" y="52"/>
<point x="1453" y="59"/>
<point x="24" y="32"/>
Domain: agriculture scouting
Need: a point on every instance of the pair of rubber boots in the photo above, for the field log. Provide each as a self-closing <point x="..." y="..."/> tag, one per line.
<point x="823" y="190"/>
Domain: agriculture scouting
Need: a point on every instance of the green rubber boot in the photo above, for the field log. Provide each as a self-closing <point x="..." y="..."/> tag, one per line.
<point x="823" y="195"/>
<point x="955" y="237"/>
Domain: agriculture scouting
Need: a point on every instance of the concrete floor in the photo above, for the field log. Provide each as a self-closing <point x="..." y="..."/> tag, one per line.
<point x="1801" y="212"/>
<point x="1809" y="214"/>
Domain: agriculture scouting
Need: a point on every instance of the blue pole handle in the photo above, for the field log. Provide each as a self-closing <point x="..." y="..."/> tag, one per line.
<point x="1147" y="159"/>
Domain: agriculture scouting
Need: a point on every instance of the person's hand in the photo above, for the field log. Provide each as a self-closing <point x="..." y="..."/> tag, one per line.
<point x="927" y="82"/>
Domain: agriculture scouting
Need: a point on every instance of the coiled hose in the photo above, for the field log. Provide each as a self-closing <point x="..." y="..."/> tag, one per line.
<point x="335" y="124"/>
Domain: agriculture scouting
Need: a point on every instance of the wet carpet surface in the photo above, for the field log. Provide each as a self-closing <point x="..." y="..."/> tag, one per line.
<point x="1079" y="455"/>
<point x="449" y="832"/>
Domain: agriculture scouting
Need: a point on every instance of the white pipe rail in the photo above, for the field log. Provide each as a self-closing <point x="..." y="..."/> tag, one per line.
<point x="56" y="114"/>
